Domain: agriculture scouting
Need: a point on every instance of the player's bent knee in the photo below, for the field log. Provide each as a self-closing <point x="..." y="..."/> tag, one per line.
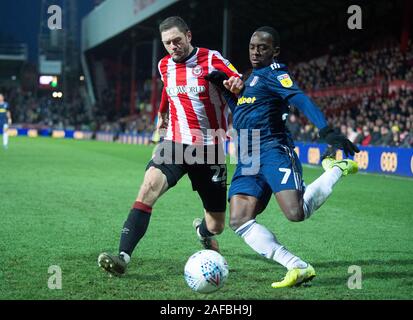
<point x="236" y="222"/>
<point x="243" y="208"/>
<point x="295" y="218"/>
<point x="295" y="214"/>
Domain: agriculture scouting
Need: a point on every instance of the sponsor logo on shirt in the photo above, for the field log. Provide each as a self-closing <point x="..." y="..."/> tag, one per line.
<point x="247" y="100"/>
<point x="174" y="91"/>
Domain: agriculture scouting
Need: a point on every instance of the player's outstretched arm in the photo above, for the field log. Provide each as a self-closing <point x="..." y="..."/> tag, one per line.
<point x="313" y="113"/>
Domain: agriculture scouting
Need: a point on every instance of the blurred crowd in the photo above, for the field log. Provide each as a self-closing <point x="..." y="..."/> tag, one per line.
<point x="107" y="119"/>
<point x="379" y="119"/>
<point x="374" y="117"/>
<point x="356" y="68"/>
<point x="29" y="110"/>
<point x="47" y="112"/>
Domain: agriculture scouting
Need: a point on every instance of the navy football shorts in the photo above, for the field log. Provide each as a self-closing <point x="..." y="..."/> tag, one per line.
<point x="279" y="169"/>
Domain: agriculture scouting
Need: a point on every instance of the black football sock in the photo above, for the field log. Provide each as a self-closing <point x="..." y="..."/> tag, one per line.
<point x="203" y="230"/>
<point x="134" y="227"/>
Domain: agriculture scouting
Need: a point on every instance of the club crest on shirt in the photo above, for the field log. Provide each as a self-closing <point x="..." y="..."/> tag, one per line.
<point x="285" y="80"/>
<point x="197" y="71"/>
<point x="254" y="81"/>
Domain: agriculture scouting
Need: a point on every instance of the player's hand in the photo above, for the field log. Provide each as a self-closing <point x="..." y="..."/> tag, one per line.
<point x="234" y="84"/>
<point x="337" y="140"/>
<point x="163" y="121"/>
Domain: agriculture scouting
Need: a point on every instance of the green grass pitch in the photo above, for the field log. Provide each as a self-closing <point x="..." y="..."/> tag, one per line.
<point x="62" y="202"/>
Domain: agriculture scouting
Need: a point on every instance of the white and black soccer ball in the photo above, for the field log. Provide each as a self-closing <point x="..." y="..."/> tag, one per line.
<point x="206" y="271"/>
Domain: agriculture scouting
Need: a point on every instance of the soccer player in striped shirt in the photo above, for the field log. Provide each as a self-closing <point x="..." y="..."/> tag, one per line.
<point x="194" y="116"/>
<point x="263" y="105"/>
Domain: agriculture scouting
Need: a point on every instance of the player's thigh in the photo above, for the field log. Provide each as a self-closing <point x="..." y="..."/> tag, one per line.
<point x="291" y="204"/>
<point x="159" y="178"/>
<point x="248" y="196"/>
<point x="283" y="171"/>
<point x="153" y="186"/>
<point x="168" y="158"/>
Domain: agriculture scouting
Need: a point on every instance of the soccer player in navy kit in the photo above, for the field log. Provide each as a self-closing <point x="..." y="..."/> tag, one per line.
<point x="5" y="120"/>
<point x="262" y="104"/>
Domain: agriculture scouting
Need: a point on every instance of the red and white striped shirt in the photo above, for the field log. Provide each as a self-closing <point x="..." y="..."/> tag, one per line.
<point x="197" y="110"/>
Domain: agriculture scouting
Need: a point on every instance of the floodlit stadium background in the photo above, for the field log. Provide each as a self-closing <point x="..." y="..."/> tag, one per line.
<point x="100" y="80"/>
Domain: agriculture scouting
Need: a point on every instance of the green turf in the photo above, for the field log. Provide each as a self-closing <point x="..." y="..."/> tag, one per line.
<point x="64" y="202"/>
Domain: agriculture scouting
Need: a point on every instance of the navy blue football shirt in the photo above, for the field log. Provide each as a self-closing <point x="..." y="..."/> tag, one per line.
<point x="3" y="112"/>
<point x="264" y="105"/>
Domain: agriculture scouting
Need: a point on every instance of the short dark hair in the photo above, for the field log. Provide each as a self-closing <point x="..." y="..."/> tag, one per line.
<point x="274" y="34"/>
<point x="172" y="22"/>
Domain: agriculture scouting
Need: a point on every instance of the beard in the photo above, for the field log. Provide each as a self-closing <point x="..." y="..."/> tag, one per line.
<point x="185" y="53"/>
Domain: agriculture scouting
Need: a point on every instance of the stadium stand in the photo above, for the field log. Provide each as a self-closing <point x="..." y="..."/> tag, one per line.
<point x="372" y="95"/>
<point x="384" y="111"/>
<point x="362" y="80"/>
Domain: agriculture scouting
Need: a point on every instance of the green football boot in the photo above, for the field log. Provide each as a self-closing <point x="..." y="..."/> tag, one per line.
<point x="347" y="166"/>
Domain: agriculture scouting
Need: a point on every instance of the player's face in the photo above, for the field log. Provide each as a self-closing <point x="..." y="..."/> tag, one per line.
<point x="261" y="49"/>
<point x="177" y="43"/>
<point x="1" y="98"/>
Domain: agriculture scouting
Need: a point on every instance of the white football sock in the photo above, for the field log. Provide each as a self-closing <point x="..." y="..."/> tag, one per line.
<point x="318" y="191"/>
<point x="287" y="259"/>
<point x="125" y="256"/>
<point x="5" y="138"/>
<point x="264" y="242"/>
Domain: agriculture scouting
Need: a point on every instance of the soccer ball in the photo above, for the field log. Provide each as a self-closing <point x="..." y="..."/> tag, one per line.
<point x="206" y="271"/>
